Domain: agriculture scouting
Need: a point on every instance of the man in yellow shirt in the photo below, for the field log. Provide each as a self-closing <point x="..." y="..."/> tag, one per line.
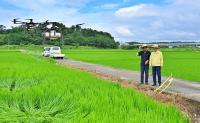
<point x="156" y="61"/>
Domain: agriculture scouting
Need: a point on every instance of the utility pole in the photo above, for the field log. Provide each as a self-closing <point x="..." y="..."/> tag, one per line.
<point x="61" y="39"/>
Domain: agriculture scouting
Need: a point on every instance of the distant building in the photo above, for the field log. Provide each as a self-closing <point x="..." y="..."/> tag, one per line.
<point x="171" y="44"/>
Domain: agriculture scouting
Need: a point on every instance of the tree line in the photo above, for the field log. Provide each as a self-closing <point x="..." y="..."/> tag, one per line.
<point x="74" y="35"/>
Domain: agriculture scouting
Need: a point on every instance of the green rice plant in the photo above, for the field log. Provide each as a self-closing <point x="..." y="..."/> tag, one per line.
<point x="44" y="92"/>
<point x="13" y="84"/>
<point x="37" y="109"/>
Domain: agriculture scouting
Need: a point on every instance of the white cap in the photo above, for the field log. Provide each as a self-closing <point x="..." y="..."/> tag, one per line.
<point x="144" y="45"/>
<point x="155" y="46"/>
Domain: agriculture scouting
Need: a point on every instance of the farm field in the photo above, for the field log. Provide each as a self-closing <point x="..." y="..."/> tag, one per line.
<point x="183" y="63"/>
<point x="35" y="89"/>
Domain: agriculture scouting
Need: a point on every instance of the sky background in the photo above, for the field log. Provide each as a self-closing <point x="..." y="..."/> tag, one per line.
<point x="126" y="20"/>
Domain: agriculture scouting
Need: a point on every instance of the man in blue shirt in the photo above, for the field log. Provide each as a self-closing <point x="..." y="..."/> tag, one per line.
<point x="144" y="65"/>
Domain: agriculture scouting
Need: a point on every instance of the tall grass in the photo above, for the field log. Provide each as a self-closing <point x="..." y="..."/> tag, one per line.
<point x="36" y="90"/>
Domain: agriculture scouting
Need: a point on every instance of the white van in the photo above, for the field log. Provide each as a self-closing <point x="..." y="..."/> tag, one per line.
<point x="46" y="52"/>
<point x="53" y="52"/>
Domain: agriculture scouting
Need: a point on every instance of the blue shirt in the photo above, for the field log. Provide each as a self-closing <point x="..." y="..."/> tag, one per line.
<point x="144" y="57"/>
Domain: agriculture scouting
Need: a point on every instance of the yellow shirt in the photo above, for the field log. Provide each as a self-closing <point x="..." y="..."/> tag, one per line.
<point x="156" y="59"/>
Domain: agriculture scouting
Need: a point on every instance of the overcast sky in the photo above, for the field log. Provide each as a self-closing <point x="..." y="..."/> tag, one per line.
<point x="126" y="20"/>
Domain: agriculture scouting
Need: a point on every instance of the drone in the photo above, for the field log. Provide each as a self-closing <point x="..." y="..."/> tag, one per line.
<point x="29" y="24"/>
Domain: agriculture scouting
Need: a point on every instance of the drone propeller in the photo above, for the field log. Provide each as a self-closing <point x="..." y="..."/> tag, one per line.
<point x="46" y="22"/>
<point x="15" y="19"/>
<point x="80" y="24"/>
<point x="31" y="20"/>
<point x="50" y="22"/>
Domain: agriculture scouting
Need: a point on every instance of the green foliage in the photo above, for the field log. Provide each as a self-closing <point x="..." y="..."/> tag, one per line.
<point x="128" y="47"/>
<point x="47" y="93"/>
<point x="2" y="27"/>
<point x="72" y="36"/>
<point x="88" y="37"/>
<point x="2" y="39"/>
<point x="17" y="36"/>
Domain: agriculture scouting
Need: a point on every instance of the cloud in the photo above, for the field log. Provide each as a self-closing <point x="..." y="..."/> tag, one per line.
<point x="176" y="20"/>
<point x="141" y="10"/>
<point x="123" y="31"/>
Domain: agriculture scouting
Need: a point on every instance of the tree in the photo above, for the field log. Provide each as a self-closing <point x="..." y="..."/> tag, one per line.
<point x="2" y="27"/>
<point x="72" y="36"/>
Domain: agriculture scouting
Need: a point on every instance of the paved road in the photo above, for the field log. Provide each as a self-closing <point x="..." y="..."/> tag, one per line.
<point x="188" y="89"/>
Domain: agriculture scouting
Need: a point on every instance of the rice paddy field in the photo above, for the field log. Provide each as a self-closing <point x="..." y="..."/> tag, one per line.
<point x="182" y="63"/>
<point x="37" y="90"/>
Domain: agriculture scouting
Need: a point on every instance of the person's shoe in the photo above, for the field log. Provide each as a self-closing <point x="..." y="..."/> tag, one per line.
<point x="160" y="84"/>
<point x="146" y="83"/>
<point x="141" y="83"/>
<point x="154" y="85"/>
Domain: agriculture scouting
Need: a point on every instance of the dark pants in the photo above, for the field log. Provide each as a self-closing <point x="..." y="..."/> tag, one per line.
<point x="144" y="71"/>
<point x="156" y="72"/>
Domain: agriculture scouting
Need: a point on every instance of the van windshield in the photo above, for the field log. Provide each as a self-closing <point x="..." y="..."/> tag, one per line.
<point x="47" y="49"/>
<point x="55" y="48"/>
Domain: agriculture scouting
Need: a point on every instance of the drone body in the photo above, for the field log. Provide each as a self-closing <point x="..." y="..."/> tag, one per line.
<point x="52" y="31"/>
